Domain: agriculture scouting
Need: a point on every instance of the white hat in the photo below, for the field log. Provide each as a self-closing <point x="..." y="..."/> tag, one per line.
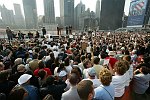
<point x="30" y="51"/>
<point x="24" y="78"/>
<point x="111" y="53"/>
<point x="62" y="73"/>
<point x="122" y="48"/>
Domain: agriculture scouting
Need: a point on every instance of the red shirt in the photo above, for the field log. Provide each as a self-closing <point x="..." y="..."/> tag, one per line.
<point x="45" y="69"/>
<point x="112" y="61"/>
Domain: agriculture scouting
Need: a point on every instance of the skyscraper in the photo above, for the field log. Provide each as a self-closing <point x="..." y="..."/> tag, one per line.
<point x="7" y="16"/>
<point x="79" y="9"/>
<point x="98" y="9"/>
<point x="67" y="12"/>
<point x="19" y="20"/>
<point x="49" y="11"/>
<point x="30" y="12"/>
<point x="111" y="14"/>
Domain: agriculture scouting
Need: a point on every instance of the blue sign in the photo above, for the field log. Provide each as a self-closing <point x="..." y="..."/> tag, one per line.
<point x="137" y="12"/>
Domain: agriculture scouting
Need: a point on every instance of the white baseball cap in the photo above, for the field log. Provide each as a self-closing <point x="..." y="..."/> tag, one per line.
<point x="62" y="73"/>
<point x="24" y="78"/>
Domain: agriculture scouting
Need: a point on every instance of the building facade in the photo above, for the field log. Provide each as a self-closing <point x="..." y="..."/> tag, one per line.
<point x="98" y="9"/>
<point x="111" y="14"/>
<point x="7" y="17"/>
<point x="79" y="10"/>
<point x="19" y="20"/>
<point x="49" y="12"/>
<point x="67" y="12"/>
<point x="30" y="12"/>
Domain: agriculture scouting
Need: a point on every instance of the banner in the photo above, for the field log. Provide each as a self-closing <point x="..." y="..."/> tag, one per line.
<point x="137" y="12"/>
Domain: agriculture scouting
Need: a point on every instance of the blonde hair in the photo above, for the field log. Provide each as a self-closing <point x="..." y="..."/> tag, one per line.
<point x="105" y="77"/>
<point x="18" y="61"/>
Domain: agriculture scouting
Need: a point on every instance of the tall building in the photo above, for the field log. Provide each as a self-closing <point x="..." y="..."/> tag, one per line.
<point x="79" y="9"/>
<point x="58" y="21"/>
<point x="30" y="12"/>
<point x="67" y="12"/>
<point x="98" y="9"/>
<point x="111" y="14"/>
<point x="49" y="11"/>
<point x="19" y="20"/>
<point x="7" y="16"/>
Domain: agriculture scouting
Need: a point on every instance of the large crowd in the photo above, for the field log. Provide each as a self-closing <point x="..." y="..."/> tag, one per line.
<point x="111" y="66"/>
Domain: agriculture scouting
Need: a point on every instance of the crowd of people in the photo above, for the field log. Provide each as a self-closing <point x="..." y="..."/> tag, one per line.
<point x="114" y="66"/>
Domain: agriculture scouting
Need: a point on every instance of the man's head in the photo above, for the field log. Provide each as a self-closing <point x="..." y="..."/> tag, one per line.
<point x="96" y="60"/>
<point x="85" y="90"/>
<point x="73" y="79"/>
<point x="21" y="68"/>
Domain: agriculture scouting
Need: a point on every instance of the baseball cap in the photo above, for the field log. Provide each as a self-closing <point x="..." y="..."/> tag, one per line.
<point x="24" y="78"/>
<point x="91" y="72"/>
<point x="111" y="53"/>
<point x="62" y="73"/>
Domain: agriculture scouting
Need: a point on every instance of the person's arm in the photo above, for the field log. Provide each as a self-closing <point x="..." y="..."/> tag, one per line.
<point x="110" y="68"/>
<point x="10" y="54"/>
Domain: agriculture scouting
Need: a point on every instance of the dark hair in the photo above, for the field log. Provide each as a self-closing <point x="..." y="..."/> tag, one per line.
<point x="61" y="67"/>
<point x="66" y="61"/>
<point x="77" y="71"/>
<point x="85" y="63"/>
<point x="17" y="93"/>
<point x="82" y="58"/>
<point x="103" y="55"/>
<point x="145" y="70"/>
<point x="4" y="75"/>
<point x="35" y="55"/>
<point x="50" y="80"/>
<point x="52" y="55"/>
<point x="41" y="64"/>
<point x="41" y="73"/>
<point x="73" y="79"/>
<point x="96" y="60"/>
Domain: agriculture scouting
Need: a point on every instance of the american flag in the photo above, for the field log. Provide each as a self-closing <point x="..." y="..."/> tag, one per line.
<point x="139" y="5"/>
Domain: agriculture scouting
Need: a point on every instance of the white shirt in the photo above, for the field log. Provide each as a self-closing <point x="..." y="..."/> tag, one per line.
<point x="131" y="71"/>
<point x="119" y="84"/>
<point x="127" y="76"/>
<point x="88" y="49"/>
<point x="85" y="73"/>
<point x="55" y="54"/>
<point x="96" y="82"/>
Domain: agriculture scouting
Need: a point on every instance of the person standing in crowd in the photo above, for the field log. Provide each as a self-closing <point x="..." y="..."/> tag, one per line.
<point x="18" y="93"/>
<point x="141" y="81"/>
<point x="72" y="93"/>
<point x="44" y="31"/>
<point x="33" y="93"/>
<point x="106" y="91"/>
<point x="85" y="90"/>
<point x="119" y="80"/>
<point x="9" y="34"/>
<point x="92" y="77"/>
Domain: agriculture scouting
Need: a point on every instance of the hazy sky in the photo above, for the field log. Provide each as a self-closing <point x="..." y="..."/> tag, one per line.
<point x="89" y="4"/>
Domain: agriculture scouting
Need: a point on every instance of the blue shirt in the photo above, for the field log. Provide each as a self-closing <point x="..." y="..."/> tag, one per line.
<point x="32" y="92"/>
<point x="102" y="94"/>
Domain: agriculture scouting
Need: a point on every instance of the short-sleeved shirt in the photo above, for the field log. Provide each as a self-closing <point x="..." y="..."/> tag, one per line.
<point x="102" y="94"/>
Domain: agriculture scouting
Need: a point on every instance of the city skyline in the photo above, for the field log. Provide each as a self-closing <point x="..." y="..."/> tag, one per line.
<point x="40" y="6"/>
